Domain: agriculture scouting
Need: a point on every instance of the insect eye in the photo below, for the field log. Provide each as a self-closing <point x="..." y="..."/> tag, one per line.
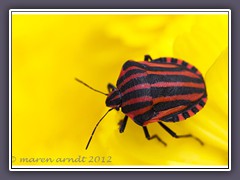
<point x="111" y="87"/>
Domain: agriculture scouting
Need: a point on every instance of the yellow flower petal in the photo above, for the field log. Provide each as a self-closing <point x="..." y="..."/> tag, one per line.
<point x="203" y="44"/>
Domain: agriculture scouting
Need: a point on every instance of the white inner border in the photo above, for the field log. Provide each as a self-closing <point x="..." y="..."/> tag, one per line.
<point x="116" y="11"/>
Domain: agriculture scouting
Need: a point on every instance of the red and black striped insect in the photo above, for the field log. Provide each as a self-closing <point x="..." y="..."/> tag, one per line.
<point x="159" y="90"/>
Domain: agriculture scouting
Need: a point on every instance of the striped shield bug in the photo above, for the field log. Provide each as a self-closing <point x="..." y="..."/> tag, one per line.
<point x="160" y="90"/>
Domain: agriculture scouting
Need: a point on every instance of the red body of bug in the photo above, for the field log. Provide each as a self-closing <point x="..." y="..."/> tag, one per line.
<point x="159" y="90"/>
<point x="165" y="89"/>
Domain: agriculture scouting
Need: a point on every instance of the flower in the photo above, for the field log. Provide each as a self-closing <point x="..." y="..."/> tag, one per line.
<point x="53" y="115"/>
<point x="192" y="43"/>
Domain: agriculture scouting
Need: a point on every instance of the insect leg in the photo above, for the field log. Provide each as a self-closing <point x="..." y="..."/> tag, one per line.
<point x="147" y="58"/>
<point x="122" y="124"/>
<point x="110" y="87"/>
<point x="173" y="134"/>
<point x="152" y="137"/>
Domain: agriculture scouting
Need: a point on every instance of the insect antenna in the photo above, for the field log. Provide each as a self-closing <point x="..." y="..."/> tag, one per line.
<point x="90" y="86"/>
<point x="96" y="127"/>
